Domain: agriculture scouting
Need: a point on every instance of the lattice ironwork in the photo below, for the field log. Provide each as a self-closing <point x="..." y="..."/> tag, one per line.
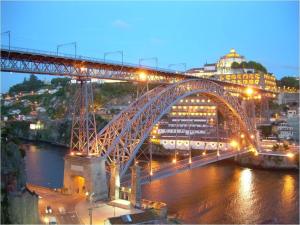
<point x="84" y="130"/>
<point x="21" y="60"/>
<point x="121" y="139"/>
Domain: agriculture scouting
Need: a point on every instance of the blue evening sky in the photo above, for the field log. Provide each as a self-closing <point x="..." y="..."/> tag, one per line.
<point x="190" y="32"/>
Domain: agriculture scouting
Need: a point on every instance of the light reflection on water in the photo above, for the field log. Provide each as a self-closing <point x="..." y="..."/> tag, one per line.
<point x="218" y="193"/>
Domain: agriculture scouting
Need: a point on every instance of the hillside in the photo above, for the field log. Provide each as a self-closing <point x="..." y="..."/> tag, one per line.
<point x="48" y="107"/>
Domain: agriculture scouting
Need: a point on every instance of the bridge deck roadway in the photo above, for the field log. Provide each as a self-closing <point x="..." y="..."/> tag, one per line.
<point x="22" y="60"/>
<point x="181" y="166"/>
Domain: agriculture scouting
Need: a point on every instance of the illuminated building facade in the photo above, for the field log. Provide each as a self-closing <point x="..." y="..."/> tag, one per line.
<point x="222" y="70"/>
<point x="190" y="125"/>
<point x="265" y="81"/>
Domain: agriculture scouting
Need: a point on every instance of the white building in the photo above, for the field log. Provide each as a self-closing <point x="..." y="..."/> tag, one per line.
<point x="223" y="66"/>
<point x="225" y="62"/>
<point x="190" y="125"/>
<point x="42" y="91"/>
<point x="194" y="145"/>
<point x="53" y="91"/>
<point x="15" y="112"/>
<point x="284" y="131"/>
<point x="40" y="109"/>
<point x="292" y="113"/>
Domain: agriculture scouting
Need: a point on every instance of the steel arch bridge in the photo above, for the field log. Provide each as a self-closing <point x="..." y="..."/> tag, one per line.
<point x="120" y="140"/>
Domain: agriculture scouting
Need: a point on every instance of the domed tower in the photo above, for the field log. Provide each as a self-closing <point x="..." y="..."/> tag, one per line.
<point x="224" y="64"/>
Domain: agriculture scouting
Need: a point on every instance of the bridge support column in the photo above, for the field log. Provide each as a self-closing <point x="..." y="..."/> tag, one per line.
<point x="114" y="184"/>
<point x="136" y="188"/>
<point x="85" y="175"/>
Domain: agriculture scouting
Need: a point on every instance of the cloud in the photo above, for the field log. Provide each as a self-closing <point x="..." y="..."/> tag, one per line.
<point x="120" y="24"/>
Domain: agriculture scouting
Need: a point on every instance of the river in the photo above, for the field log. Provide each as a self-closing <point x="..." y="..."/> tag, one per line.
<point x="218" y="193"/>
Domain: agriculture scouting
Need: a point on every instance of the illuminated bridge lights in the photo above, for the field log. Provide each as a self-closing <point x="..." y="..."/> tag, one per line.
<point x="290" y="155"/>
<point x="142" y="76"/>
<point x="249" y="91"/>
<point x="234" y="144"/>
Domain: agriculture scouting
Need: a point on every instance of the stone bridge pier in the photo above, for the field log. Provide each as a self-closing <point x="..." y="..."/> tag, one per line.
<point x="135" y="196"/>
<point x="85" y="175"/>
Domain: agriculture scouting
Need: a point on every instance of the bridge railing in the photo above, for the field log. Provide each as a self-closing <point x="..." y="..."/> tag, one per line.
<point x="86" y="58"/>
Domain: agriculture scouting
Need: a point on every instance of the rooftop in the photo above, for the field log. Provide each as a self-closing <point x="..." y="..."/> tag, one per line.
<point x="232" y="54"/>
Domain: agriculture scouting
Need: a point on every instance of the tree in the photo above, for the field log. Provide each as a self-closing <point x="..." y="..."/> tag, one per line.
<point x="33" y="84"/>
<point x="235" y="65"/>
<point x="288" y="82"/>
<point x="249" y="65"/>
<point x="60" y="81"/>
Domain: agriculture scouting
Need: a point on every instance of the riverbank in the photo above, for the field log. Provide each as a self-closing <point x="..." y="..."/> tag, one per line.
<point x="56" y="144"/>
<point x="268" y="162"/>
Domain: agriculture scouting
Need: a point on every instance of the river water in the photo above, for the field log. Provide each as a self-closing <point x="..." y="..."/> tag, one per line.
<point x="218" y="193"/>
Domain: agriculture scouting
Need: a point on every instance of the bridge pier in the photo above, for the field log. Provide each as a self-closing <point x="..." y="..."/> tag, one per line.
<point x="85" y="175"/>
<point x="114" y="184"/>
<point x="136" y="187"/>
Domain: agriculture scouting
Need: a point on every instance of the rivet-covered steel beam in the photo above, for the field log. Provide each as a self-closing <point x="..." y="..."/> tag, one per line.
<point x="121" y="139"/>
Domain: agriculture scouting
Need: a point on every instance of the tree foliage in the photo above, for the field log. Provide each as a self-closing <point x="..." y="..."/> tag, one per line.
<point x="288" y="82"/>
<point x="249" y="65"/>
<point x="33" y="84"/>
<point x="60" y="81"/>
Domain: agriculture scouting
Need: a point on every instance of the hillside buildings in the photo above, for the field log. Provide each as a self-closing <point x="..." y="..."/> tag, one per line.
<point x="190" y="125"/>
<point x="223" y="70"/>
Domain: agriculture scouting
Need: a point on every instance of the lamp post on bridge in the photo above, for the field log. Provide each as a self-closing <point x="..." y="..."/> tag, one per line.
<point x="155" y="59"/>
<point x="178" y="64"/>
<point x="114" y="52"/>
<point x="8" y="33"/>
<point x="65" y="44"/>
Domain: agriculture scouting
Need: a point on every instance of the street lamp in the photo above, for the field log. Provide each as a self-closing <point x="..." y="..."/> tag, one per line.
<point x="8" y="33"/>
<point x="142" y="76"/>
<point x="114" y="52"/>
<point x="290" y="155"/>
<point x="178" y="64"/>
<point x="65" y="44"/>
<point x="145" y="59"/>
<point x="91" y="213"/>
<point x="234" y="144"/>
<point x="249" y="91"/>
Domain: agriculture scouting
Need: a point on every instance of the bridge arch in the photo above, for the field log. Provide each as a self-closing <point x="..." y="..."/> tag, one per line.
<point x="121" y="138"/>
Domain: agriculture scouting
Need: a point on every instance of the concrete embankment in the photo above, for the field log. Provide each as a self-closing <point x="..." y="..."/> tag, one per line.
<point x="268" y="161"/>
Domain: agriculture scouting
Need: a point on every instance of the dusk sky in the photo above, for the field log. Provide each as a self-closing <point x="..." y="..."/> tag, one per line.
<point x="175" y="32"/>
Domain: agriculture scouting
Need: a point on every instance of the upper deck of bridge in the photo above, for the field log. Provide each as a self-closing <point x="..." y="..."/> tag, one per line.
<point x="83" y="66"/>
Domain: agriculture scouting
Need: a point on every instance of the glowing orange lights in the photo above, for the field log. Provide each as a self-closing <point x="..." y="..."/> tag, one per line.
<point x="203" y="153"/>
<point x="234" y="143"/>
<point x="174" y="160"/>
<point x="252" y="136"/>
<point x="290" y="155"/>
<point x="242" y="135"/>
<point x="190" y="160"/>
<point x="249" y="91"/>
<point x="72" y="153"/>
<point x="142" y="76"/>
<point x="151" y="172"/>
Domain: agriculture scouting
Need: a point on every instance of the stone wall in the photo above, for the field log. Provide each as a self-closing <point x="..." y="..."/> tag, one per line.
<point x="23" y="207"/>
<point x="268" y="161"/>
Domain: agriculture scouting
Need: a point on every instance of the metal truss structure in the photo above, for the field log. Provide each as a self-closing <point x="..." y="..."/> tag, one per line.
<point x="123" y="136"/>
<point x="21" y="60"/>
<point x="83" y="131"/>
<point x="29" y="61"/>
